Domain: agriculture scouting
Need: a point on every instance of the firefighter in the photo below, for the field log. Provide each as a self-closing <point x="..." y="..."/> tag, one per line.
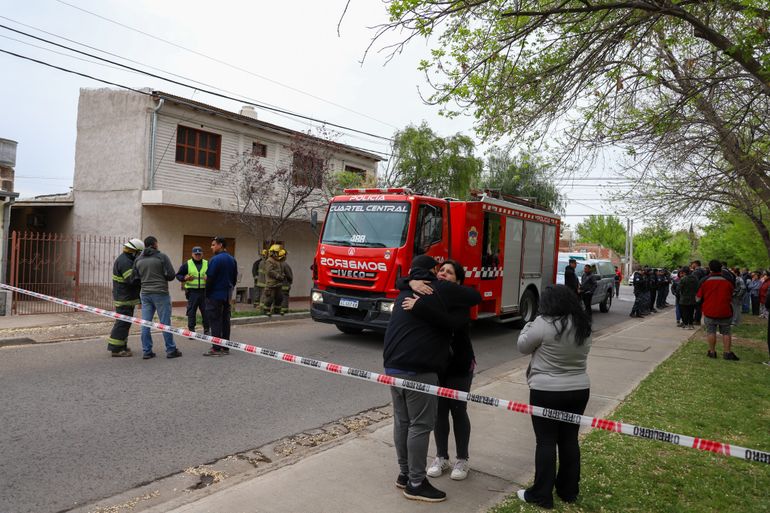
<point x="125" y="296"/>
<point x="288" y="278"/>
<point x="273" y="282"/>
<point x="258" y="273"/>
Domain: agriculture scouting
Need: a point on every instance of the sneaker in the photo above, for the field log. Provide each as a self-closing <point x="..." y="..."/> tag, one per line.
<point x="425" y="492"/>
<point x="766" y="363"/>
<point x="402" y="480"/>
<point x="460" y="470"/>
<point x="212" y="352"/>
<point x="711" y="354"/>
<point x="122" y="353"/>
<point x="520" y="494"/>
<point x="730" y="356"/>
<point x="679" y="324"/>
<point x="438" y="466"/>
<point x="176" y="353"/>
<point x="225" y="351"/>
<point x="147" y="356"/>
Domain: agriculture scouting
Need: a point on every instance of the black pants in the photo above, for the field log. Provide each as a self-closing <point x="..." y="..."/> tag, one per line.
<point x="687" y="313"/>
<point x="617" y="289"/>
<point x="587" y="298"/>
<point x="553" y="434"/>
<point x="755" y="305"/>
<point x="119" y="334"/>
<point x="196" y="301"/>
<point x="662" y="295"/>
<point x="461" y="423"/>
<point x="697" y="313"/>
<point x="653" y="296"/>
<point x="218" y="314"/>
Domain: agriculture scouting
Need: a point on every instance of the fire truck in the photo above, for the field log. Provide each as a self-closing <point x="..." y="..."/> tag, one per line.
<point x="509" y="252"/>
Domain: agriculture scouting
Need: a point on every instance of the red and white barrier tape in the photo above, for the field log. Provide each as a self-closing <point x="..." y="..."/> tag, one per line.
<point x="702" y="444"/>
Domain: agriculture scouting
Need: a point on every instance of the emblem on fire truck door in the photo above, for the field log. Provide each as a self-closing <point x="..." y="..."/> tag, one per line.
<point x="473" y="236"/>
<point x="387" y="254"/>
<point x="351" y="251"/>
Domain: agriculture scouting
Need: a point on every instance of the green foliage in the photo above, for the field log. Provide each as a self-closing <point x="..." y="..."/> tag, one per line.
<point x="435" y="165"/>
<point x="731" y="237"/>
<point x="605" y="230"/>
<point x="526" y="176"/>
<point x="658" y="246"/>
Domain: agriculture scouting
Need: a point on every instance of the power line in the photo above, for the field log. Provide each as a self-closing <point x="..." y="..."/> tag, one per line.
<point x="213" y="93"/>
<point x="225" y="63"/>
<point x="122" y="86"/>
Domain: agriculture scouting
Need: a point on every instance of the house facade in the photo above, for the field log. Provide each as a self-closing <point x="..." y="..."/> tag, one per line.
<point x="153" y="164"/>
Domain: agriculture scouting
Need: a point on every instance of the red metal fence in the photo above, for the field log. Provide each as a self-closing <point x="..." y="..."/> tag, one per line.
<point x="74" y="267"/>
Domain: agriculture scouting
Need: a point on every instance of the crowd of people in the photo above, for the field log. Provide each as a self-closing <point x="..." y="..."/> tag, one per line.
<point x="141" y="274"/>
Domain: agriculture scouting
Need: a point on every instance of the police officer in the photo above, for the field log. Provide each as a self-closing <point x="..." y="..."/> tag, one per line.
<point x="664" y="280"/>
<point x="570" y="277"/>
<point x="645" y="306"/>
<point x="192" y="274"/>
<point x="652" y="288"/>
<point x="288" y="278"/>
<point x="638" y="280"/>
<point x="258" y="273"/>
<point x="273" y="282"/>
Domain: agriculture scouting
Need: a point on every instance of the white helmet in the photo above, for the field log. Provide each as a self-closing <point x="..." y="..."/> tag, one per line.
<point x="134" y="245"/>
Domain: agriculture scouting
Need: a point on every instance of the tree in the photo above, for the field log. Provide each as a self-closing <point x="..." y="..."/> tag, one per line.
<point x="433" y="165"/>
<point x="731" y="237"/>
<point x="682" y="87"/>
<point x="265" y="200"/>
<point x="526" y="176"/>
<point x="658" y="246"/>
<point x="605" y="230"/>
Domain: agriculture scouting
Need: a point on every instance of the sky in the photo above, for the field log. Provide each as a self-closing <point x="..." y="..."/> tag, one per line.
<point x="285" y="54"/>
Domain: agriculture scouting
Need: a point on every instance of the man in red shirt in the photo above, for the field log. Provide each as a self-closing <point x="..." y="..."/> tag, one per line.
<point x="715" y="295"/>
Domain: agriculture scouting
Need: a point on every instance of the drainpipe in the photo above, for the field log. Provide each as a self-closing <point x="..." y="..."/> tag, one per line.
<point x="153" y="133"/>
<point x="4" y="238"/>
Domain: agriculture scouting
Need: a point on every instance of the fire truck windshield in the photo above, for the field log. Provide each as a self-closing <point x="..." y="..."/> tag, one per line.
<point x="377" y="224"/>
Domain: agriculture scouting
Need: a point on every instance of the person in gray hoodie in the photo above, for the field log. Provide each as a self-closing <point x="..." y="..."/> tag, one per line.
<point x="558" y="340"/>
<point x="154" y="270"/>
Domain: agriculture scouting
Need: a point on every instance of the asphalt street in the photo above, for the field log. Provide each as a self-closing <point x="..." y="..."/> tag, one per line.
<point x="78" y="426"/>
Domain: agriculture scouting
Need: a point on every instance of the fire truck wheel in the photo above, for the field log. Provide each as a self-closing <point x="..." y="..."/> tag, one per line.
<point x="350" y="330"/>
<point x="605" y="305"/>
<point x="528" y="307"/>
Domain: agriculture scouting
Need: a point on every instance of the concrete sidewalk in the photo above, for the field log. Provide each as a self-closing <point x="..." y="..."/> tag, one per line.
<point x="359" y="473"/>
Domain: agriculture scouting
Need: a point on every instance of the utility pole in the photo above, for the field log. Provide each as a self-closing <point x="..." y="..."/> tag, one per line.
<point x="629" y="247"/>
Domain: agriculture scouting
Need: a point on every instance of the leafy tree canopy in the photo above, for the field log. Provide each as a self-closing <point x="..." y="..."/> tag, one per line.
<point x="526" y="176"/>
<point x="605" y="230"/>
<point x="731" y="237"/>
<point x="658" y="246"/>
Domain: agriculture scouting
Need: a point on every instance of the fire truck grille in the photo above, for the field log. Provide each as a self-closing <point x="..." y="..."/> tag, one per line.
<point x="350" y="313"/>
<point x="349" y="281"/>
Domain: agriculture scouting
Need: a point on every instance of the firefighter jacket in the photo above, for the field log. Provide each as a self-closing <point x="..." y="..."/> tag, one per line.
<point x="273" y="273"/>
<point x="258" y="272"/>
<point x="125" y="291"/>
<point x="288" y="275"/>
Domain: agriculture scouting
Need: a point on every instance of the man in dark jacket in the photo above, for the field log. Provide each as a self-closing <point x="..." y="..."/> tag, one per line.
<point x="587" y="288"/>
<point x="570" y="278"/>
<point x="154" y="270"/>
<point x="418" y="351"/>
<point x="221" y="276"/>
<point x="638" y="281"/>
<point x="125" y="296"/>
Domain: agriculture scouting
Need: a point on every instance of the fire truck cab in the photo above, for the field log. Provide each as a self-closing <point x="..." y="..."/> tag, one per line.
<point x="370" y="236"/>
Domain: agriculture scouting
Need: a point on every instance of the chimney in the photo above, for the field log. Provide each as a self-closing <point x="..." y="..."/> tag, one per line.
<point x="249" y="112"/>
<point x="7" y="163"/>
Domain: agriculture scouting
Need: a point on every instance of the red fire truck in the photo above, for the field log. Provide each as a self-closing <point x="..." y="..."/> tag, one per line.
<point x="370" y="236"/>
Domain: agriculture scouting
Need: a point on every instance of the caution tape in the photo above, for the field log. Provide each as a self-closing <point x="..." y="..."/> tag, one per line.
<point x="614" y="426"/>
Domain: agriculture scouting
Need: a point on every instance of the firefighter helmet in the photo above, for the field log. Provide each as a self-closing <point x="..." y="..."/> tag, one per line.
<point x="134" y="245"/>
<point x="282" y="253"/>
<point x="264" y="252"/>
<point x="275" y="248"/>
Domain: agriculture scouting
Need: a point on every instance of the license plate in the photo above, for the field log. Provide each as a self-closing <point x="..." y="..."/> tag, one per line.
<point x="349" y="303"/>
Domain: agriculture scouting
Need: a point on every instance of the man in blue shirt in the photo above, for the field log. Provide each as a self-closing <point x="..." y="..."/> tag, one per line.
<point x="221" y="276"/>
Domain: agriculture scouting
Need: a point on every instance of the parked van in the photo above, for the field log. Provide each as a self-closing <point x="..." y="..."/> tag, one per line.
<point x="605" y="285"/>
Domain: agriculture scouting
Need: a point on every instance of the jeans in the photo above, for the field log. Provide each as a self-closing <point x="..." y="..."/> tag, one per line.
<point x="461" y="423"/>
<point x="414" y="415"/>
<point x="549" y="435"/>
<point x="162" y="304"/>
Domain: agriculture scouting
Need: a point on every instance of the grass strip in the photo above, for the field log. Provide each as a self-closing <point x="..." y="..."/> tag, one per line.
<point x="687" y="394"/>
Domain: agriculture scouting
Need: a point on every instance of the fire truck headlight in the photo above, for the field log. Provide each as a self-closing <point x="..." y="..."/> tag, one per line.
<point x="386" y="307"/>
<point x="317" y="297"/>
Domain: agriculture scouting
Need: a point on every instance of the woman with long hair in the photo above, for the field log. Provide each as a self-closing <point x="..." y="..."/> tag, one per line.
<point x="558" y="340"/>
<point x="458" y="376"/>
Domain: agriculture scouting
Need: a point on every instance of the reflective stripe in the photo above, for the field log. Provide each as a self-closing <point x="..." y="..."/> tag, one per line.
<point x="115" y="342"/>
<point x="197" y="282"/>
<point x="118" y="279"/>
<point x="127" y="274"/>
<point x="128" y="302"/>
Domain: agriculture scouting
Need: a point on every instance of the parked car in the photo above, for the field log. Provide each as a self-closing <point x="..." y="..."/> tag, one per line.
<point x="605" y="286"/>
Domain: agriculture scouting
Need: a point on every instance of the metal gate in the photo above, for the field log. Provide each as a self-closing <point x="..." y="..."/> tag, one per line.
<point x="74" y="267"/>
